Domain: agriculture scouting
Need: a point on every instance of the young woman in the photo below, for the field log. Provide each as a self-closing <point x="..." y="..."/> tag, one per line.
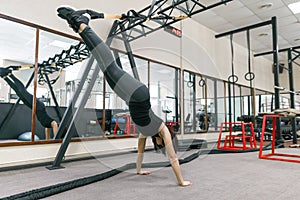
<point x="27" y="99"/>
<point x="134" y="93"/>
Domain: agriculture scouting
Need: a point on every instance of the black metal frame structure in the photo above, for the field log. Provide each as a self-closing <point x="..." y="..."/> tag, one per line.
<point x="76" y="53"/>
<point x="290" y="52"/>
<point x="273" y="23"/>
<point x="133" y="26"/>
<point x="162" y="13"/>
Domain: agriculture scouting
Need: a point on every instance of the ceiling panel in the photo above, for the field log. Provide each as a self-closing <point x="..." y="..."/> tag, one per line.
<point x="240" y="22"/>
<point x="286" y="21"/>
<point x="278" y="12"/>
<point x="289" y="1"/>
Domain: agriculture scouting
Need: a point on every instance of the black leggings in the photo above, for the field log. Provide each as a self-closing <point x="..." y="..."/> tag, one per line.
<point x="134" y="93"/>
<point x="27" y="99"/>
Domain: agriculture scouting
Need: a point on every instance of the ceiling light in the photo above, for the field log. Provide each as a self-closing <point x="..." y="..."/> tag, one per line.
<point x="295" y="7"/>
<point x="266" y="6"/>
<point x="263" y="34"/>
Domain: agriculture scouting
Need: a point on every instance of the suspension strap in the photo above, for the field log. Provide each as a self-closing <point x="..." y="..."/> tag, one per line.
<point x="249" y="76"/>
<point x="232" y="78"/>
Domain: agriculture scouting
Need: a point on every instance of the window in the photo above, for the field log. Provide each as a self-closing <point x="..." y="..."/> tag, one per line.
<point x="18" y="48"/>
<point x="164" y="93"/>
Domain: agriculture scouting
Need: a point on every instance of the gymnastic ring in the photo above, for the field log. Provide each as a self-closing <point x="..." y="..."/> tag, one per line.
<point x="202" y="82"/>
<point x="190" y="84"/>
<point x="233" y="78"/>
<point x="249" y="76"/>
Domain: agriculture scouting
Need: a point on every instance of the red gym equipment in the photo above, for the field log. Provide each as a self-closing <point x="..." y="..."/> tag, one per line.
<point x="129" y="127"/>
<point x="273" y="155"/>
<point x="229" y="142"/>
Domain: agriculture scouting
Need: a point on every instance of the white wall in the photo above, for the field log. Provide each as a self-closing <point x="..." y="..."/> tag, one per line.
<point x="198" y="49"/>
<point x="16" y="155"/>
<point x="211" y="56"/>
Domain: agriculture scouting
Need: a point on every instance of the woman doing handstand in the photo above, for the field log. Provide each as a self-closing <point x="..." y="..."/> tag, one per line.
<point x="27" y="99"/>
<point x="134" y="93"/>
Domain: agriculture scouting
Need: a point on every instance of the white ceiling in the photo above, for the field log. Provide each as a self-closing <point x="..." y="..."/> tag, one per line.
<point x="241" y="13"/>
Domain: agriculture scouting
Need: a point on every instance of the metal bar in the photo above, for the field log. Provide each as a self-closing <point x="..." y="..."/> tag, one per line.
<point x="276" y="76"/>
<point x="249" y="104"/>
<point x="150" y="12"/>
<point x="259" y="103"/>
<point x="194" y="102"/>
<point x="292" y="94"/>
<point x="280" y="50"/>
<point x="296" y="57"/>
<point x="297" y="64"/>
<point x="72" y="128"/>
<point x="197" y="3"/>
<point x="130" y="55"/>
<point x="229" y="102"/>
<point x="177" y="75"/>
<point x="275" y="61"/>
<point x="291" y="79"/>
<point x="215" y="105"/>
<point x="112" y="31"/>
<point x="65" y="58"/>
<point x="269" y="22"/>
<point x="57" y="109"/>
<point x="104" y="107"/>
<point x="274" y="130"/>
<point x="222" y="2"/>
<point x="174" y="5"/>
<point x="205" y="100"/>
<point x="71" y="123"/>
<point x="117" y="58"/>
<point x="296" y="51"/>
<point x="167" y="17"/>
<point x="68" y="113"/>
<point x="272" y="102"/>
<point x="33" y="116"/>
<point x="178" y="19"/>
<point x="263" y="54"/>
<point x="150" y="6"/>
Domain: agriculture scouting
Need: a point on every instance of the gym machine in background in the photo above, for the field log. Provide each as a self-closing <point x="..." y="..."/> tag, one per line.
<point x="292" y="55"/>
